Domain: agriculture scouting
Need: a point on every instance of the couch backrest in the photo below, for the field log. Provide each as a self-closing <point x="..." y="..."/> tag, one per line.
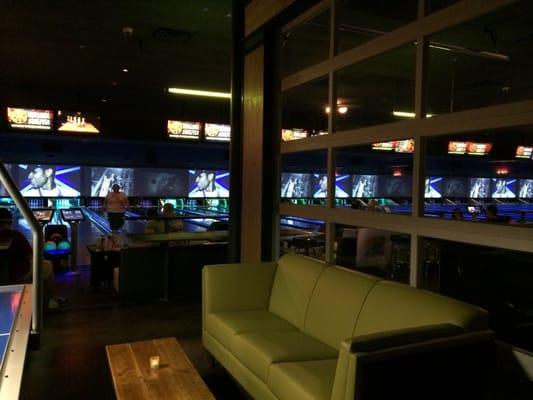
<point x="391" y="305"/>
<point x="295" y="279"/>
<point x="335" y="304"/>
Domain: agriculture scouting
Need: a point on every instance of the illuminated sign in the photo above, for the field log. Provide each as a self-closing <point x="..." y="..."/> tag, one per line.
<point x="218" y="133"/>
<point x="399" y="146"/>
<point x="293" y="134"/>
<point x="383" y="146"/>
<point x="69" y="121"/>
<point x="183" y="130"/>
<point x="470" y="148"/>
<point x="23" y="118"/>
<point x="524" y="152"/>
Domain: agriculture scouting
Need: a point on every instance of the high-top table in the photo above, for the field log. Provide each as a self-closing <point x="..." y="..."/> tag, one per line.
<point x="175" y="379"/>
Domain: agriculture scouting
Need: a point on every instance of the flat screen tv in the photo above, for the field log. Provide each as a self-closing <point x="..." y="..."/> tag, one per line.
<point x="455" y="187"/>
<point x="503" y="188"/>
<point x="158" y="182"/>
<point x="217" y="133"/>
<point x="479" y="188"/>
<point x="364" y="186"/>
<point x="78" y="122"/>
<point x="394" y="186"/>
<point x="320" y="186"/>
<point x="295" y="185"/>
<point x="29" y="118"/>
<point x="293" y="134"/>
<point x="3" y="190"/>
<point x="208" y="183"/>
<point x="526" y="189"/>
<point x="183" y="130"/>
<point x="433" y="187"/>
<point x="343" y="186"/>
<point x="103" y="179"/>
<point x="525" y="152"/>
<point x="46" y="180"/>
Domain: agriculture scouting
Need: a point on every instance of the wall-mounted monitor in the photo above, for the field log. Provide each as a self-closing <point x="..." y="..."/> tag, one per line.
<point x="503" y="188"/>
<point x="78" y="122"/>
<point x="217" y="133"/>
<point x="479" y="188"/>
<point x="526" y="189"/>
<point x="320" y="186"/>
<point x="364" y="186"/>
<point x="43" y="215"/>
<point x="3" y="190"/>
<point x="470" y="148"/>
<point x="383" y="146"/>
<point x="398" y="146"/>
<point x="293" y="134"/>
<point x="208" y="183"/>
<point x="156" y="182"/>
<point x="45" y="180"/>
<point x="525" y="152"/>
<point x="295" y="185"/>
<point x="433" y="187"/>
<point x="183" y="130"/>
<point x="455" y="187"/>
<point x="343" y="186"/>
<point x="103" y="179"/>
<point x="394" y="186"/>
<point x="28" y="118"/>
<point x="72" y="215"/>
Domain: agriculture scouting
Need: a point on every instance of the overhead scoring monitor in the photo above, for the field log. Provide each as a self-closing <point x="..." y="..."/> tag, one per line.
<point x="72" y="215"/>
<point x="43" y="215"/>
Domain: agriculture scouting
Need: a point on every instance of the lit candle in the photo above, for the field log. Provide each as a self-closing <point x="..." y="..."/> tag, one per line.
<point x="154" y="362"/>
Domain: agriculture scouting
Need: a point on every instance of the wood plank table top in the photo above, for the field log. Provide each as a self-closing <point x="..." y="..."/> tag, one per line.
<point x="176" y="378"/>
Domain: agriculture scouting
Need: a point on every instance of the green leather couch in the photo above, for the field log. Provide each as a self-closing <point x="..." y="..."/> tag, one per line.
<point x="303" y="329"/>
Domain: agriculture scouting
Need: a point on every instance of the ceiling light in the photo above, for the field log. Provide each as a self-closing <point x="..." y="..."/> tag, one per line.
<point x="203" y="93"/>
<point x="342" y="109"/>
<point x="405" y="114"/>
<point x="125" y="70"/>
<point x="328" y="109"/>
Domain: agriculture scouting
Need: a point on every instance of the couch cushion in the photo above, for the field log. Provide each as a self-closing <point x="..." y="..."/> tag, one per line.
<point x="392" y="305"/>
<point x="303" y="380"/>
<point x="223" y="325"/>
<point x="294" y="282"/>
<point x="335" y="304"/>
<point x="258" y="351"/>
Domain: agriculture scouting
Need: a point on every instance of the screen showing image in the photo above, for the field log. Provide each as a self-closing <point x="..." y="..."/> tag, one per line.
<point x="153" y="182"/>
<point x="73" y="214"/>
<point x="526" y="189"/>
<point x="3" y="190"/>
<point x="43" y="180"/>
<point x="183" y="130"/>
<point x="455" y="187"/>
<point x="524" y="152"/>
<point x="218" y="133"/>
<point x="456" y="147"/>
<point x="103" y="179"/>
<point x="384" y="146"/>
<point x="433" y="188"/>
<point x="78" y="122"/>
<point x="478" y="149"/>
<point x="43" y="215"/>
<point x="503" y="188"/>
<point x="293" y="134"/>
<point x="364" y="186"/>
<point x="295" y="185"/>
<point x="394" y="186"/>
<point x="343" y="186"/>
<point x="405" y="146"/>
<point x="208" y="183"/>
<point x="25" y="118"/>
<point x="479" y="188"/>
<point x="320" y="186"/>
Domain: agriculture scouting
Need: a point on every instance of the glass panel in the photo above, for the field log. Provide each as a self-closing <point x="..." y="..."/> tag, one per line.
<point x="485" y="177"/>
<point x="484" y="62"/>
<point x="377" y="90"/>
<point x="361" y="21"/>
<point x="436" y="5"/>
<point x="380" y="253"/>
<point x="305" y="45"/>
<point x="304" y="110"/>
<point x="376" y="177"/>
<point x="498" y="280"/>
<point x="304" y="178"/>
<point x="302" y="236"/>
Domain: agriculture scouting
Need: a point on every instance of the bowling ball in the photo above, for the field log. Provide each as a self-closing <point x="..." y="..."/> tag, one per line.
<point x="49" y="246"/>
<point x="63" y="245"/>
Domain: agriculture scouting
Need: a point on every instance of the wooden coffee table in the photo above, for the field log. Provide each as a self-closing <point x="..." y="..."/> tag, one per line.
<point x="175" y="379"/>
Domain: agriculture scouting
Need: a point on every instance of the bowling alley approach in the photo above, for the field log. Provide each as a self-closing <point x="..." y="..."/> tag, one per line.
<point x="266" y="199"/>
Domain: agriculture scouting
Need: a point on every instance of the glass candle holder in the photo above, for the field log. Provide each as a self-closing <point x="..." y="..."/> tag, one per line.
<point x="154" y="362"/>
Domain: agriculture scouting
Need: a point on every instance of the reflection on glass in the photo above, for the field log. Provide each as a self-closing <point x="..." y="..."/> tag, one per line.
<point x="302" y="236"/>
<point x="303" y="178"/>
<point x="377" y="90"/>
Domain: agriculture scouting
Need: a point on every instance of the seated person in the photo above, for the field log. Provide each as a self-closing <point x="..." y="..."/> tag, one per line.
<point x="20" y="256"/>
<point x="173" y="225"/>
<point x="374" y="206"/>
<point x="491" y="213"/>
<point x="457" y="214"/>
<point x="154" y="225"/>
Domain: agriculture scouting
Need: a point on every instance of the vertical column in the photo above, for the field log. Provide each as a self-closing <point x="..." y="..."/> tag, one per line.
<point x="252" y="156"/>
<point x="417" y="253"/>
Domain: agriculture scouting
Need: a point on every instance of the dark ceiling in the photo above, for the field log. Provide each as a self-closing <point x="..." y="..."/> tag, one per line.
<point x="71" y="55"/>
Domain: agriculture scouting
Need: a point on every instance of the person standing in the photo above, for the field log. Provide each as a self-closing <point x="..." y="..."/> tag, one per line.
<point x="115" y="204"/>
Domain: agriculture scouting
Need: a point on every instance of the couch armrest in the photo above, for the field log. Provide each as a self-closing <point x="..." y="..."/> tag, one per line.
<point x="428" y="343"/>
<point x="246" y="286"/>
